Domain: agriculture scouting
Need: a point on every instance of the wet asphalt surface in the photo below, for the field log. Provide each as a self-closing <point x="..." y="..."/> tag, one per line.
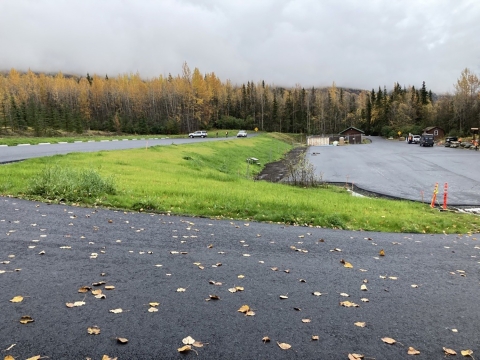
<point x="406" y="171"/>
<point x="46" y="256"/>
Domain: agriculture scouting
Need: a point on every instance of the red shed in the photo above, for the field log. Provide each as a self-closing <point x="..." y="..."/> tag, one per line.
<point x="437" y="132"/>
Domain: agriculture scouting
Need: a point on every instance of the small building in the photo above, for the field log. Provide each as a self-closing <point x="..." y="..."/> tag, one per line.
<point x="438" y="133"/>
<point x="352" y="135"/>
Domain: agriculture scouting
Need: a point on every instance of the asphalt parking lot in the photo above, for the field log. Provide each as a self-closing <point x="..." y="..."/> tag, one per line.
<point x="325" y="293"/>
<point x="401" y="170"/>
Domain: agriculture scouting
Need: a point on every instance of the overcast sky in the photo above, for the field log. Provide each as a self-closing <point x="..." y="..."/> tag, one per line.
<point x="356" y="43"/>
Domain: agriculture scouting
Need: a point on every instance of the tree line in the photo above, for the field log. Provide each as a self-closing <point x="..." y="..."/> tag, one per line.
<point x="191" y="101"/>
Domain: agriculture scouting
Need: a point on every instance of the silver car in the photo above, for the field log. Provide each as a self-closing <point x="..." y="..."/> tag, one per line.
<point x="242" y="133"/>
<point x="199" y="133"/>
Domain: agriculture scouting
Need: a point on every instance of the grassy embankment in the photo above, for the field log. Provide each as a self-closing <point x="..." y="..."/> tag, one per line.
<point x="213" y="179"/>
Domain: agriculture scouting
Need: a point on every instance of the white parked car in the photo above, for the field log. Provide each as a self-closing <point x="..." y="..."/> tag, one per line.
<point x="242" y="133"/>
<point x="199" y="133"/>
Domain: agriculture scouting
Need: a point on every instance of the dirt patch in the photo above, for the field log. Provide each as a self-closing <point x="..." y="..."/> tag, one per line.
<point x="276" y="171"/>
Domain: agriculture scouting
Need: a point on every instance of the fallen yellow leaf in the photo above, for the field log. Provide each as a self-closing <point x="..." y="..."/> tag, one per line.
<point x="284" y="346"/>
<point x="17" y="299"/>
<point x="466" y="352"/>
<point x="412" y="351"/>
<point x="185" y="348"/>
<point x="9" y="357"/>
<point x="449" y="351"/>
<point x="244" y="308"/>
<point x="154" y="304"/>
<point x="348" y="304"/>
<point x="116" y="311"/>
<point x="355" y="356"/>
<point x="106" y="357"/>
<point x="315" y="337"/>
<point x="360" y="324"/>
<point x="389" y="340"/>
<point x="381" y="252"/>
<point x="36" y="357"/>
<point x="306" y="320"/>
<point x="266" y="339"/>
<point x="188" y="340"/>
<point x="122" y="340"/>
<point x="26" y="319"/>
<point x="94" y="330"/>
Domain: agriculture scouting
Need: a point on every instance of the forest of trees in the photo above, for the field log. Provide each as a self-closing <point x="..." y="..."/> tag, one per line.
<point x="192" y="101"/>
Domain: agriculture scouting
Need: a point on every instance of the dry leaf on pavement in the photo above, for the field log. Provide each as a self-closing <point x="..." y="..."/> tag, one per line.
<point x="412" y="351"/>
<point x="266" y="339"/>
<point x="17" y="299"/>
<point x="360" y="324"/>
<point x="284" y="346"/>
<point x="355" y="356"/>
<point x="26" y="319"/>
<point x="449" y="351"/>
<point x="389" y="340"/>
<point x="348" y="304"/>
<point x="188" y="340"/>
<point x="381" y="252"/>
<point x="346" y="264"/>
<point x="116" y="311"/>
<point x="122" y="340"/>
<point x="244" y="309"/>
<point x="185" y="348"/>
<point x="315" y="337"/>
<point x="94" y="330"/>
<point x="467" y="352"/>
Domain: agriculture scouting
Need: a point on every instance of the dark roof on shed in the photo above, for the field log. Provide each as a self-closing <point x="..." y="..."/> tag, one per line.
<point x="431" y="128"/>
<point x="351" y="128"/>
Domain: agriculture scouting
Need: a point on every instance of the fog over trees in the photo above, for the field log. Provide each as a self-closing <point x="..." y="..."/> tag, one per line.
<point x="194" y="100"/>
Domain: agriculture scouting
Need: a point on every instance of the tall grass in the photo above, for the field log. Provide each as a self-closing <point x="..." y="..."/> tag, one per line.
<point x="213" y="179"/>
<point x="64" y="184"/>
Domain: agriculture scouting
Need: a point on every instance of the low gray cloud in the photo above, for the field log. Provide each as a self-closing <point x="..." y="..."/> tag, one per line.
<point x="359" y="44"/>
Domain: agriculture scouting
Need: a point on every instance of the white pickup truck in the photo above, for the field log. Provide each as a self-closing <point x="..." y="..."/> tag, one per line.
<point x="413" y="139"/>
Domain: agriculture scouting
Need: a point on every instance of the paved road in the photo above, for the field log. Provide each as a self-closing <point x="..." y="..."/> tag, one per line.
<point x="402" y="170"/>
<point x="16" y="153"/>
<point x="132" y="246"/>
